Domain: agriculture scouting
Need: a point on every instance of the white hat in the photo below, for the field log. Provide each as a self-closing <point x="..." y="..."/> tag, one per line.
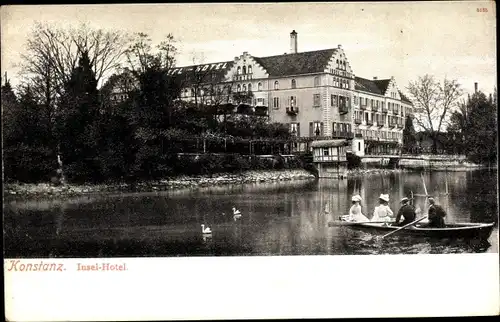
<point x="384" y="197"/>
<point x="356" y="198"/>
<point x="404" y="199"/>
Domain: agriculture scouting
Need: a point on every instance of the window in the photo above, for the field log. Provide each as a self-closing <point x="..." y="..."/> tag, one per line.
<point x="371" y="102"/>
<point x="244" y="70"/>
<point x="238" y="88"/>
<point x="333" y="99"/>
<point x="249" y="87"/>
<point x="260" y="101"/>
<point x="294" y="129"/>
<point x="366" y="117"/>
<point x="249" y="69"/>
<point x="317" y="129"/>
<point x="338" y="63"/>
<point x="316" y="100"/>
<point x="276" y="102"/>
<point x="192" y="92"/>
<point x="294" y="83"/>
<point x="276" y="85"/>
<point x="316" y="81"/>
<point x="244" y="88"/>
<point x="293" y="101"/>
<point x="238" y="71"/>
<point x="259" y="86"/>
<point x="359" y="146"/>
<point x="326" y="151"/>
<point x="355" y="100"/>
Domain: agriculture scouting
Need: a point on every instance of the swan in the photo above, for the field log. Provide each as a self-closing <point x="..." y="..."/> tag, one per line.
<point x="205" y="230"/>
<point x="236" y="214"/>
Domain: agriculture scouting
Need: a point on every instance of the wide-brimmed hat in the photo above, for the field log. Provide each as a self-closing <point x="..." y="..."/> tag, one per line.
<point x="384" y="197"/>
<point x="405" y="199"/>
<point x="431" y="199"/>
<point x="356" y="198"/>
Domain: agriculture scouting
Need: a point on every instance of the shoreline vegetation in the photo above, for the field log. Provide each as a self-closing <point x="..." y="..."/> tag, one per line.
<point x="46" y="190"/>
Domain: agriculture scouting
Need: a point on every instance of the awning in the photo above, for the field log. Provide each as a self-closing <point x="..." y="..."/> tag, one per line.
<point x="329" y="143"/>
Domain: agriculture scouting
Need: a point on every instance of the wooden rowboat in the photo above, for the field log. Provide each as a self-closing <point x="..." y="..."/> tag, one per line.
<point x="456" y="230"/>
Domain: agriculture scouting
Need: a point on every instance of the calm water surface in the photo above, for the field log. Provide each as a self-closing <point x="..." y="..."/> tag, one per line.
<point x="286" y="218"/>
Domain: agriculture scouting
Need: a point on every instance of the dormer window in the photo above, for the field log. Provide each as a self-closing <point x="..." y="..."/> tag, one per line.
<point x="276" y="85"/>
<point x="249" y="69"/>
<point x="259" y="87"/>
<point x="244" y="70"/>
<point x="294" y="83"/>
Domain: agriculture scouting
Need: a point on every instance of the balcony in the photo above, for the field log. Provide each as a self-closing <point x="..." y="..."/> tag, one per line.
<point x="329" y="158"/>
<point x="395" y="112"/>
<point x="374" y="108"/>
<point x="242" y="77"/>
<point x="392" y="124"/>
<point x="369" y="122"/>
<point x="400" y="125"/>
<point x="357" y="120"/>
<point x="343" y="109"/>
<point x="385" y="110"/>
<point x="380" y="123"/>
<point x="292" y="111"/>
<point x="362" y="106"/>
<point x="343" y="134"/>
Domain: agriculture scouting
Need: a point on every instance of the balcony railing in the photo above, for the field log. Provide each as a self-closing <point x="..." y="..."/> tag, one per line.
<point x="384" y="110"/>
<point x="329" y="158"/>
<point x="292" y="110"/>
<point x="400" y="125"/>
<point x="343" y="134"/>
<point x="374" y="108"/>
<point x="362" y="106"/>
<point x="343" y="109"/>
<point x="369" y="122"/>
<point x="395" y="112"/>
<point x="380" y="123"/>
<point x="357" y="121"/>
<point x="392" y="124"/>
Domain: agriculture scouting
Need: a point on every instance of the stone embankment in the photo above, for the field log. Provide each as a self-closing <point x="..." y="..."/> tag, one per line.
<point x="47" y="190"/>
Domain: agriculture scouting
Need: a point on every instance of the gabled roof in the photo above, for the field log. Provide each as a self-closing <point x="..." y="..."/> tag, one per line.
<point x="367" y="85"/>
<point x="296" y="64"/>
<point x="382" y="84"/>
<point x="404" y="98"/>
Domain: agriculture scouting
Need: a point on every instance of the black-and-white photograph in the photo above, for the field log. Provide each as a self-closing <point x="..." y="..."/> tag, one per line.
<point x="242" y="130"/>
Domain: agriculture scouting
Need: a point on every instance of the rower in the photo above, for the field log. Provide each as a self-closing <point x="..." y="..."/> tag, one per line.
<point x="436" y="215"/>
<point x="407" y="212"/>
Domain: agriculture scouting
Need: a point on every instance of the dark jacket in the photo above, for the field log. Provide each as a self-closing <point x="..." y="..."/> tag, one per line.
<point x="408" y="212"/>
<point x="436" y="216"/>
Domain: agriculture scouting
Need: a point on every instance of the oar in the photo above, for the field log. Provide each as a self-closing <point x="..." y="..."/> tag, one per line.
<point x="350" y="223"/>
<point x="407" y="225"/>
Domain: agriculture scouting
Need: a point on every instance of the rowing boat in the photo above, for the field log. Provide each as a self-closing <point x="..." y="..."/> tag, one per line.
<point x="457" y="230"/>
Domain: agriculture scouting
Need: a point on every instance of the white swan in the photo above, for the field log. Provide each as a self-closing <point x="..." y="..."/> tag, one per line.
<point x="205" y="230"/>
<point x="236" y="214"/>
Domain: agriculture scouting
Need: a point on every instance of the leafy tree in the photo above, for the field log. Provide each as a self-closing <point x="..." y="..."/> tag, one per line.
<point x="409" y="140"/>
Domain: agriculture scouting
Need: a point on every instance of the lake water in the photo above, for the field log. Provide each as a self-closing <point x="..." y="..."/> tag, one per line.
<point x="285" y="218"/>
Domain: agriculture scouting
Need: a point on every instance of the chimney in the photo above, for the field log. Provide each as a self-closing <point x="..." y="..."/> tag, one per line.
<point x="293" y="42"/>
<point x="375" y="78"/>
<point x="339" y="46"/>
<point x="236" y="57"/>
<point x="475" y="87"/>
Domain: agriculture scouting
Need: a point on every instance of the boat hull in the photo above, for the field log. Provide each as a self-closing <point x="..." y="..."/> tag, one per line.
<point x="458" y="230"/>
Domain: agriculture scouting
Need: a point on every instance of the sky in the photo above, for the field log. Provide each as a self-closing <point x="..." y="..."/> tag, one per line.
<point x="401" y="39"/>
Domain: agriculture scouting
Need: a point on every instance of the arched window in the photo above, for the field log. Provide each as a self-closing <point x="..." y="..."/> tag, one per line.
<point x="337" y="63"/>
<point x="316" y="81"/>
<point x="238" y="71"/>
<point x="249" y="87"/>
<point x="276" y="85"/>
<point x="244" y="70"/>
<point x="259" y="86"/>
<point x="249" y="69"/>
<point x="244" y="86"/>
<point x="238" y="88"/>
<point x="294" y="83"/>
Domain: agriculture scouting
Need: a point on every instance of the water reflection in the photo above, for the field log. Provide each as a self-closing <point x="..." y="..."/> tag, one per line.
<point x="281" y="218"/>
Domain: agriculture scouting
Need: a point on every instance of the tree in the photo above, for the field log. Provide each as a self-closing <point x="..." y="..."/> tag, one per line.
<point x="433" y="102"/>
<point x="77" y="129"/>
<point x="475" y="128"/>
<point x="409" y="140"/>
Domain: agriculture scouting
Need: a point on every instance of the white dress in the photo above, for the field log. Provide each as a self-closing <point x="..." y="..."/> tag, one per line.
<point x="356" y="215"/>
<point x="382" y="213"/>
